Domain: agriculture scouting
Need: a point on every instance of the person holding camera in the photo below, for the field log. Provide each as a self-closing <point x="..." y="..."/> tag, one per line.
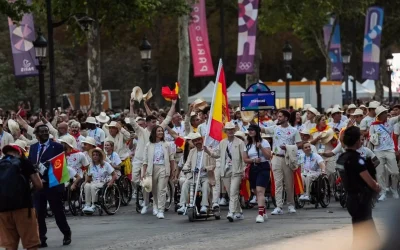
<point x="360" y="184"/>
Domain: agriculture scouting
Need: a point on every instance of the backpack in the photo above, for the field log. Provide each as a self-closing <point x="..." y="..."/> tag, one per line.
<point x="14" y="187"/>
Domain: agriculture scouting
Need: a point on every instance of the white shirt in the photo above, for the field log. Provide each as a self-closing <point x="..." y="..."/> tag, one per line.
<point x="77" y="161"/>
<point x="71" y="172"/>
<point x="198" y="164"/>
<point x="99" y="173"/>
<point x="253" y="153"/>
<point x="115" y="160"/>
<point x="180" y="130"/>
<point x="310" y="163"/>
<point x="366" y="122"/>
<point x="364" y="151"/>
<point x="158" y="154"/>
<point x="79" y="142"/>
<point x="98" y="135"/>
<point x="384" y="132"/>
<point x="313" y="149"/>
<point x="341" y="124"/>
<point x="284" y="136"/>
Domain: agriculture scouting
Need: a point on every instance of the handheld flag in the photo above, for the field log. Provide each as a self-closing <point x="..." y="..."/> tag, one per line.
<point x="58" y="170"/>
<point x="219" y="107"/>
<point x="169" y="94"/>
<point x="298" y="182"/>
<point x="180" y="143"/>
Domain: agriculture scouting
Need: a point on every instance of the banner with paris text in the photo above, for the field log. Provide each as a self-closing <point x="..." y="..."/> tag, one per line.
<point x="22" y="35"/>
<point x="200" y="47"/>
<point x="248" y="12"/>
<point x="335" y="49"/>
<point x="372" y="43"/>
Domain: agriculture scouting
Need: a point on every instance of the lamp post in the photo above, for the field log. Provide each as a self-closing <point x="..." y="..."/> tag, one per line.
<point x="346" y="55"/>
<point x="40" y="45"/>
<point x="145" y="54"/>
<point x="287" y="58"/>
<point x="389" y="62"/>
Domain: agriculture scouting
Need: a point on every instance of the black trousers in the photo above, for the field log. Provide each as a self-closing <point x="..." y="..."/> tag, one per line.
<point x="54" y="197"/>
<point x="359" y="206"/>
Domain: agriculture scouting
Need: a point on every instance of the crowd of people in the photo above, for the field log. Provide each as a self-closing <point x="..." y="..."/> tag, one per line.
<point x="145" y="146"/>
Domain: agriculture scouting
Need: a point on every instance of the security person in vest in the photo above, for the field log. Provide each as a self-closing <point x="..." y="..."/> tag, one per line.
<point x="358" y="178"/>
<point x="39" y="154"/>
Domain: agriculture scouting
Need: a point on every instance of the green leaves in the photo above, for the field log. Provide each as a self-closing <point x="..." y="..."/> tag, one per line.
<point x="14" y="10"/>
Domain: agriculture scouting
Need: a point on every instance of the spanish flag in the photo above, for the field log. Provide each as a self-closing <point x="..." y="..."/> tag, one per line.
<point x="169" y="94"/>
<point x="219" y="107"/>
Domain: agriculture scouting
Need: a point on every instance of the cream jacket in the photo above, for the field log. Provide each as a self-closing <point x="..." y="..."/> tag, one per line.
<point x="120" y="146"/>
<point x="207" y="163"/>
<point x="291" y="156"/>
<point x="149" y="157"/>
<point x="6" y="139"/>
<point x="237" y="149"/>
<point x="143" y="135"/>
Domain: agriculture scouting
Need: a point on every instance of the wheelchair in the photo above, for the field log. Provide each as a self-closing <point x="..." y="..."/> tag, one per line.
<point x="193" y="210"/>
<point x="108" y="199"/>
<point x="320" y="193"/>
<point x="140" y="198"/>
<point x="73" y="198"/>
<point x="177" y="196"/>
<point x="125" y="187"/>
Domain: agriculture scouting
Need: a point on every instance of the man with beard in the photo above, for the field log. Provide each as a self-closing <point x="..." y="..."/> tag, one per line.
<point x="196" y="165"/>
<point x="284" y="135"/>
<point x="75" y="131"/>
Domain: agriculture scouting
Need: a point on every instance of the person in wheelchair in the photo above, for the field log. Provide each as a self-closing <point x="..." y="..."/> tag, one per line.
<point x="312" y="165"/>
<point x="99" y="173"/>
<point x="113" y="157"/>
<point x="75" y="159"/>
<point x="193" y="165"/>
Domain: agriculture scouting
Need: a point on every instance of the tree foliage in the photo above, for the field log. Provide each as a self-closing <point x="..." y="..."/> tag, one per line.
<point x="15" y="10"/>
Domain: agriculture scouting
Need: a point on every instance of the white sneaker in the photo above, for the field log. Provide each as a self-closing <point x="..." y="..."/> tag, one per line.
<point x="260" y="219"/>
<point x="305" y="198"/>
<point x="230" y="217"/>
<point x="155" y="211"/>
<point x="382" y="197"/>
<point x="215" y="205"/>
<point x="181" y="210"/>
<point x="144" y="210"/>
<point x="93" y="207"/>
<point x="203" y="210"/>
<point x="86" y="208"/>
<point x="395" y="194"/>
<point x="301" y="197"/>
<point x="291" y="210"/>
<point x="66" y="208"/>
<point x="160" y="215"/>
<point x="265" y="216"/>
<point x="277" y="211"/>
<point x="223" y="202"/>
<point x="239" y="216"/>
<point x="254" y="200"/>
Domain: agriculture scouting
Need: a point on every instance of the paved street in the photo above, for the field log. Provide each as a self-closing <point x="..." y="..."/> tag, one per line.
<point x="316" y="228"/>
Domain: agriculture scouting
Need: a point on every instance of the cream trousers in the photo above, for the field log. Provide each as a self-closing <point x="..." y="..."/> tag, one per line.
<point x="308" y="178"/>
<point x="90" y="192"/>
<point x="217" y="187"/>
<point x="205" y="189"/>
<point x="282" y="173"/>
<point x="159" y="187"/>
<point x="232" y="185"/>
<point x="389" y="159"/>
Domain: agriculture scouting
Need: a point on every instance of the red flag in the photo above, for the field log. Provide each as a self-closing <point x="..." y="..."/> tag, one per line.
<point x="298" y="182"/>
<point x="169" y="94"/>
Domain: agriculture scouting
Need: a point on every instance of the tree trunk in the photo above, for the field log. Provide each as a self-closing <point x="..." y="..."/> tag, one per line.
<point x="379" y="94"/>
<point x="94" y="65"/>
<point x="184" y="60"/>
<point x="255" y="76"/>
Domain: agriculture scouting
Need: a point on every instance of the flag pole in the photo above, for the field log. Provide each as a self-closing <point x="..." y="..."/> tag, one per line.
<point x="208" y="129"/>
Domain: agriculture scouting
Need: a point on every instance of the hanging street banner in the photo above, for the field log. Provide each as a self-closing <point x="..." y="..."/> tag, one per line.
<point x="198" y="34"/>
<point x="248" y="12"/>
<point x="22" y="36"/>
<point x="335" y="49"/>
<point x="372" y="43"/>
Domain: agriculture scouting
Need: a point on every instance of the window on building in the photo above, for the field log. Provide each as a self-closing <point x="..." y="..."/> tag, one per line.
<point x="295" y="102"/>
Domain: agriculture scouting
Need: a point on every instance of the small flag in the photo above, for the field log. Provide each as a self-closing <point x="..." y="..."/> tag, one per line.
<point x="219" y="107"/>
<point x="58" y="170"/>
<point x="169" y="94"/>
<point x="180" y="143"/>
<point x="298" y="182"/>
<point x="245" y="189"/>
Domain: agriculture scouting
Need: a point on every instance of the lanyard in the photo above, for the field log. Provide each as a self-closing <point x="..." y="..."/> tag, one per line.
<point x="39" y="157"/>
<point x="95" y="131"/>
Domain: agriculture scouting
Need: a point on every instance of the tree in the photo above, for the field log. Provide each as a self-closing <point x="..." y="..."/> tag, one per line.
<point x="109" y="18"/>
<point x="184" y="59"/>
<point x="15" y="10"/>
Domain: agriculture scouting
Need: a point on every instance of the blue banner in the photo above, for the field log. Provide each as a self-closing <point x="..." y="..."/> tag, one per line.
<point x="335" y="49"/>
<point x="254" y="101"/>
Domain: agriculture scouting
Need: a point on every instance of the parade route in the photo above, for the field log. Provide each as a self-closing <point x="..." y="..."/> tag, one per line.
<point x="320" y="228"/>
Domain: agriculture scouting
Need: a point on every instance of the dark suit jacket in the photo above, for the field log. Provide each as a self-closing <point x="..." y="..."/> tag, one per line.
<point x="53" y="150"/>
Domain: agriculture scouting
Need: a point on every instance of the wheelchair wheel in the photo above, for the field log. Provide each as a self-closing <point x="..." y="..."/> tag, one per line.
<point x="73" y="201"/>
<point x="324" y="192"/>
<point x="139" y="199"/>
<point x="126" y="190"/>
<point x="110" y="199"/>
<point x="343" y="199"/>
<point x="190" y="212"/>
<point x="168" y="199"/>
<point x="297" y="202"/>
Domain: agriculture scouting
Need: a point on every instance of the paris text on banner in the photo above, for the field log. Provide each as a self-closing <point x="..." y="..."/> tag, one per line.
<point x="372" y="43"/>
<point x="22" y="35"/>
<point x="219" y="108"/>
<point x="248" y="12"/>
<point x="198" y="34"/>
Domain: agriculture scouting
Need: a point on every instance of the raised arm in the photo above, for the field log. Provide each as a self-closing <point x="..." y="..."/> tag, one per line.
<point x="171" y="112"/>
<point x="148" y="110"/>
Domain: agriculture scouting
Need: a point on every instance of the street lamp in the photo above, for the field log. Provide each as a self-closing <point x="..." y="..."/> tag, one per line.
<point x="287" y="58"/>
<point x="389" y="63"/>
<point x="346" y="56"/>
<point x="145" y="54"/>
<point x="40" y="45"/>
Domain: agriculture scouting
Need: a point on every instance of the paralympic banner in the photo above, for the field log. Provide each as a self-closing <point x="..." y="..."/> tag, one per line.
<point x="335" y="49"/>
<point x="22" y="36"/>
<point x="372" y="43"/>
<point x="248" y="12"/>
<point x="198" y="34"/>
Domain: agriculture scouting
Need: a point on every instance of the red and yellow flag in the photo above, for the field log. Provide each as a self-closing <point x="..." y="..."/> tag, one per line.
<point x="219" y="107"/>
<point x="169" y="94"/>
